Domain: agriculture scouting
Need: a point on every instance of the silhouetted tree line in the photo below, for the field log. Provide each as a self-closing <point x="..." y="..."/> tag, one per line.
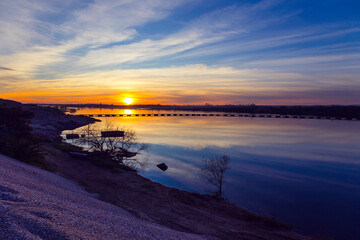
<point x="16" y="139"/>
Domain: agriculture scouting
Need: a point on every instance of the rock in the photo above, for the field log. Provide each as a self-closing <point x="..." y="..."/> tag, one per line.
<point x="162" y="166"/>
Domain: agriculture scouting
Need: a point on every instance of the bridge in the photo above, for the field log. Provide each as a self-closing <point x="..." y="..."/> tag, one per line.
<point x="216" y="115"/>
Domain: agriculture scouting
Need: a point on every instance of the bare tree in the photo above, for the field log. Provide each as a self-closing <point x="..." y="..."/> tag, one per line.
<point x="213" y="171"/>
<point x="123" y="149"/>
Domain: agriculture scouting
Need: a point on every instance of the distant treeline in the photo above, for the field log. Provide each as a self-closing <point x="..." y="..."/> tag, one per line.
<point x="320" y="111"/>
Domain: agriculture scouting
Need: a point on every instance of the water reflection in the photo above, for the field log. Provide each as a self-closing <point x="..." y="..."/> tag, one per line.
<point x="303" y="172"/>
<point x="128" y="111"/>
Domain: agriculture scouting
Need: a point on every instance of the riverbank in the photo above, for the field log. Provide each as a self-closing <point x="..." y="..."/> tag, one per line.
<point x="147" y="200"/>
<point x="178" y="210"/>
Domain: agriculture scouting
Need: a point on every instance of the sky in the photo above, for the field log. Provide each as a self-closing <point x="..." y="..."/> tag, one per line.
<point x="269" y="52"/>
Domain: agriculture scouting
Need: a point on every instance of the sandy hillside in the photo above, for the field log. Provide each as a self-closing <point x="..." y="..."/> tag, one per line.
<point x="36" y="204"/>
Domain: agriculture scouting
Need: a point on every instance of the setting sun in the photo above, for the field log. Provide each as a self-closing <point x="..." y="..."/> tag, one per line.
<point x="128" y="101"/>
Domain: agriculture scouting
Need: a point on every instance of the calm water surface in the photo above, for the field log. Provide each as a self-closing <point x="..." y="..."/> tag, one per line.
<point x="303" y="172"/>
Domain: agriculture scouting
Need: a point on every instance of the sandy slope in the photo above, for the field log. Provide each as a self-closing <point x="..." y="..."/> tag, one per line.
<point x="36" y="204"/>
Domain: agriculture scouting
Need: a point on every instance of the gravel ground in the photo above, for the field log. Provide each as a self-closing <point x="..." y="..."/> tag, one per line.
<point x="36" y="204"/>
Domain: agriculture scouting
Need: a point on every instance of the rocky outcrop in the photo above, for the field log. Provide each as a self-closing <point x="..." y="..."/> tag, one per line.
<point x="48" y="123"/>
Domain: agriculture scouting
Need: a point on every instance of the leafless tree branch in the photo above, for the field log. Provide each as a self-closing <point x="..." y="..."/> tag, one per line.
<point x="213" y="171"/>
<point x="122" y="149"/>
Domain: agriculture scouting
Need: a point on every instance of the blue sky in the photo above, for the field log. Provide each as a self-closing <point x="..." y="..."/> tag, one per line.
<point x="181" y="52"/>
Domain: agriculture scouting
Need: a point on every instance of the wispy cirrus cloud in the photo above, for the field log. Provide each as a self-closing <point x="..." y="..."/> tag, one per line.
<point x="5" y="68"/>
<point x="301" y="61"/>
<point x="95" y="25"/>
<point x="288" y="38"/>
<point x="210" y="28"/>
<point x="105" y="22"/>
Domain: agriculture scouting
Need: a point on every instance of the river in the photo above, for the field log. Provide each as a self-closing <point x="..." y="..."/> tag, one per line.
<point x="303" y="172"/>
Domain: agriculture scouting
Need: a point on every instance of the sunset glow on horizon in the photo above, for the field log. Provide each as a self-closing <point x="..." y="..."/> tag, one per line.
<point x="180" y="52"/>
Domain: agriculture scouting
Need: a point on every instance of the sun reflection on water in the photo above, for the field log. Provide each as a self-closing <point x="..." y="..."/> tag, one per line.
<point x="128" y="112"/>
